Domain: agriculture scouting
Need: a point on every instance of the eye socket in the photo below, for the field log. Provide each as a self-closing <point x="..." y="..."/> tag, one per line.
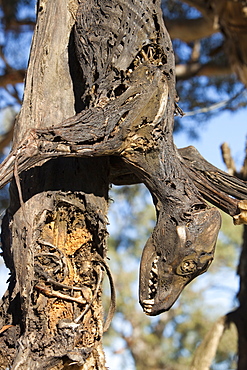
<point x="186" y="267"/>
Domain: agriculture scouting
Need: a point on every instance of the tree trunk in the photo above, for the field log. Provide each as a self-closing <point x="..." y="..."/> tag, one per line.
<point x="238" y="316"/>
<point x="54" y="239"/>
<point x="54" y="231"/>
<point x="241" y="320"/>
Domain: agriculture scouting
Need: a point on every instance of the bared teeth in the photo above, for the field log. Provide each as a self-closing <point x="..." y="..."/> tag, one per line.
<point x="155" y="270"/>
<point x="148" y="309"/>
<point x="153" y="279"/>
<point x="148" y="301"/>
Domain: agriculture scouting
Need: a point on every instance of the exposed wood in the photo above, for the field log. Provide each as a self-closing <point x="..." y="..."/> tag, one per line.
<point x="129" y="102"/>
<point x="124" y="120"/>
<point x="54" y="243"/>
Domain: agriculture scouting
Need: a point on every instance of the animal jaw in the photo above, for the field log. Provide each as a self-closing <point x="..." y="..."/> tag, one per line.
<point x="129" y="102"/>
<point x="174" y="255"/>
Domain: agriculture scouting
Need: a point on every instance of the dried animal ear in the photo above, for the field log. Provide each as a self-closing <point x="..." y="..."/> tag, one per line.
<point x="241" y="218"/>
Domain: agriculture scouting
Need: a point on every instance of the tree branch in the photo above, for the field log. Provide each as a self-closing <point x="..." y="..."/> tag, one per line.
<point x="189" y="30"/>
<point x="6" y="138"/>
<point x="228" y="160"/>
<point x="206" y="351"/>
<point x="15" y="24"/>
<point x="243" y="172"/>
<point x="216" y="186"/>
<point x="186" y="71"/>
<point x="12" y="77"/>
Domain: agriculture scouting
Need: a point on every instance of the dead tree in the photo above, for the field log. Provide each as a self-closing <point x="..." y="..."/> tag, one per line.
<point x="99" y="106"/>
<point x="54" y="244"/>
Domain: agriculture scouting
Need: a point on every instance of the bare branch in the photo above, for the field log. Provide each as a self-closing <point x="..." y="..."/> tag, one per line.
<point x="195" y="52"/>
<point x="227" y="158"/>
<point x="186" y="71"/>
<point x="206" y="351"/>
<point x="221" y="104"/>
<point x="15" y="24"/>
<point x="12" y="77"/>
<point x="189" y="30"/>
<point x="243" y="171"/>
<point x="6" y="139"/>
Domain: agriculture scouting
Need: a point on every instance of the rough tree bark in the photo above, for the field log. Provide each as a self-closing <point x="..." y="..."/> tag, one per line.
<point x="238" y="316"/>
<point x="55" y="243"/>
<point x="54" y="231"/>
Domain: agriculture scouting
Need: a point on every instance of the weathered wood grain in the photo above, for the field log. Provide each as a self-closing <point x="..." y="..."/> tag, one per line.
<point x="53" y="242"/>
<point x="126" y="121"/>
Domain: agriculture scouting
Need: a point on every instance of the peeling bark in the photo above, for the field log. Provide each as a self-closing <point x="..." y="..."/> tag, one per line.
<point x="58" y="208"/>
<point x="54" y="241"/>
<point x="129" y="104"/>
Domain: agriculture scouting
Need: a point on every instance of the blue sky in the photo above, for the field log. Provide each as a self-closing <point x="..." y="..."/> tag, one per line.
<point x="227" y="127"/>
<point x="230" y="128"/>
